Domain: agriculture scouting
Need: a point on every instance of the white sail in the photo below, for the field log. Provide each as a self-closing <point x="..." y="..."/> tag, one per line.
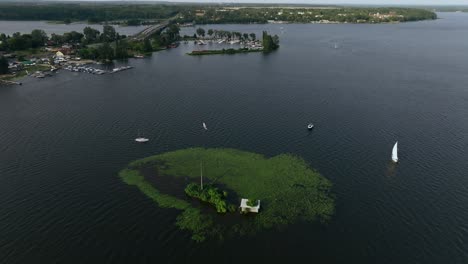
<point x="395" y="152"/>
<point x="204" y="126"/>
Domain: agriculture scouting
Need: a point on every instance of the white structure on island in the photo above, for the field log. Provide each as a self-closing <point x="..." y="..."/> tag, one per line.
<point x="246" y="208"/>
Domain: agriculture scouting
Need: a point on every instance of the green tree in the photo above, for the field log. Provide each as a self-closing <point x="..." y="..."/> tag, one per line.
<point x="252" y="36"/>
<point x="19" y="42"/>
<point x="246" y="36"/>
<point x="3" y="42"/>
<point x="173" y="32"/>
<point x="38" y="38"/>
<point x="73" y="37"/>
<point x="3" y="65"/>
<point x="89" y="53"/>
<point x="210" y="32"/>
<point x="147" y="47"/>
<point x="105" y="52"/>
<point x="275" y="39"/>
<point x="133" y="22"/>
<point x="108" y="33"/>
<point x="121" y="49"/>
<point x="269" y="43"/>
<point x="91" y="34"/>
<point x="200" y="32"/>
<point x="57" y="39"/>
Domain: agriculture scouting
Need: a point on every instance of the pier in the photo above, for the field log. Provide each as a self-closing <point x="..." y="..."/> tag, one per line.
<point x="9" y="82"/>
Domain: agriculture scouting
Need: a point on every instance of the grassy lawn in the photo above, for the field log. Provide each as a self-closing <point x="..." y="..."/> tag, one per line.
<point x="288" y="189"/>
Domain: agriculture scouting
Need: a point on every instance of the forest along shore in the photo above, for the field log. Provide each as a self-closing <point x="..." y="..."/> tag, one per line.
<point x="142" y="13"/>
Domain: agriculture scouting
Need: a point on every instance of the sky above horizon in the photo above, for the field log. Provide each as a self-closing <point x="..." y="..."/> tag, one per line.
<point x="325" y="2"/>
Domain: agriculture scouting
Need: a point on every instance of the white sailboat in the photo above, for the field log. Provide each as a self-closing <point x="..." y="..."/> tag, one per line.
<point x="204" y="126"/>
<point x="395" y="152"/>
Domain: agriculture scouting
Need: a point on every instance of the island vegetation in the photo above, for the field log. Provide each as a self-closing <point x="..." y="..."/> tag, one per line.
<point x="141" y="13"/>
<point x="290" y="191"/>
<point x="210" y="194"/>
<point x="248" y="42"/>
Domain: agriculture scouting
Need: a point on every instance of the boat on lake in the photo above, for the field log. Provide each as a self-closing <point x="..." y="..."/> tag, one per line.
<point x="121" y="69"/>
<point x="395" y="153"/>
<point x="140" y="139"/>
<point x="204" y="126"/>
<point x="310" y="126"/>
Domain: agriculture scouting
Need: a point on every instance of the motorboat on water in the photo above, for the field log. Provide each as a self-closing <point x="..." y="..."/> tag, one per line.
<point x="141" y="140"/>
<point x="310" y="126"/>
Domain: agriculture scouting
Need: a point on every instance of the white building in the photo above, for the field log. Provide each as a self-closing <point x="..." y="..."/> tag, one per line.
<point x="246" y="208"/>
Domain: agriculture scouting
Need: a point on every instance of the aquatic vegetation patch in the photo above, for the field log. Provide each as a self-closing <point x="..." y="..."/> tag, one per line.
<point x="209" y="194"/>
<point x="288" y="189"/>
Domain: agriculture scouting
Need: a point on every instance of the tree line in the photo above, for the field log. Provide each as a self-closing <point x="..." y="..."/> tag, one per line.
<point x="121" y="48"/>
<point x="200" y="32"/>
<point x="85" y="12"/>
<point x="246" y="15"/>
<point x="135" y="14"/>
<point x="38" y="38"/>
<point x="269" y="42"/>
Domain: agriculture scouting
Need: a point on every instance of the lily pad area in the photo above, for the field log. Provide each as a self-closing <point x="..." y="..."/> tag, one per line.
<point x="288" y="188"/>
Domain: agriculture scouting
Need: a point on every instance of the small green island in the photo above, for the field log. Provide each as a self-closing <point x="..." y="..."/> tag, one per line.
<point x="207" y="185"/>
<point x="248" y="42"/>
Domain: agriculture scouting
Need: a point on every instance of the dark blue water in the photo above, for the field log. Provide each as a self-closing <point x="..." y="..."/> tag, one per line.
<point x="63" y="140"/>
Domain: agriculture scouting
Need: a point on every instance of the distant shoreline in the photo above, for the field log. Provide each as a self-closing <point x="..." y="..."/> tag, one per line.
<point x="150" y="13"/>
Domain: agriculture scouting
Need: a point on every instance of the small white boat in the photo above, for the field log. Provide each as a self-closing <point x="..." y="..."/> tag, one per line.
<point x="140" y="139"/>
<point x="395" y="152"/>
<point x="204" y="126"/>
<point x="310" y="126"/>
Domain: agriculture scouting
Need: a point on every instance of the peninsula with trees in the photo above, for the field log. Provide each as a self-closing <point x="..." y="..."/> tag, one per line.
<point x="207" y="186"/>
<point x="37" y="51"/>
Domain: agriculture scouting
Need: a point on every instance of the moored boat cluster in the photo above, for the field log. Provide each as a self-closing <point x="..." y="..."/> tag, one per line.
<point x="92" y="70"/>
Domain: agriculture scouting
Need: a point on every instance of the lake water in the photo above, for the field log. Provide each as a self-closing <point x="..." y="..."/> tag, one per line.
<point x="10" y="27"/>
<point x="63" y="140"/>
